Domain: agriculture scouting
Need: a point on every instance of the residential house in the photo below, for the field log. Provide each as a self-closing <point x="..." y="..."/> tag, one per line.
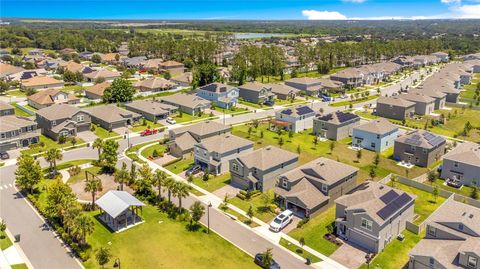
<point x="134" y="62"/>
<point x="452" y="238"/>
<point x="440" y="97"/>
<point x="313" y="186"/>
<point x="419" y="147"/>
<point x="151" y="109"/>
<point x="17" y="132"/>
<point x="424" y="105"/>
<point x="172" y="67"/>
<point x="350" y="77"/>
<point x="463" y="164"/>
<point x="214" y="153"/>
<point x="336" y="125"/>
<point x="295" y="119"/>
<point x="442" y="85"/>
<point x="8" y="69"/>
<point x="96" y="91"/>
<point x="152" y="64"/>
<point x="331" y="86"/>
<point x="110" y="58"/>
<point x="6" y="109"/>
<point x="258" y="170"/>
<point x="182" y="140"/>
<point x="154" y="84"/>
<point x="442" y="56"/>
<point x="376" y="135"/>
<point x="394" y="108"/>
<point x="112" y="117"/>
<point x="62" y="120"/>
<point x="42" y="83"/>
<point x="255" y="92"/>
<point x="373" y="215"/>
<point x="310" y="86"/>
<point x="49" y="97"/>
<point x="188" y="103"/>
<point x="183" y="80"/>
<point x="284" y="92"/>
<point x="219" y="94"/>
<point x="104" y="74"/>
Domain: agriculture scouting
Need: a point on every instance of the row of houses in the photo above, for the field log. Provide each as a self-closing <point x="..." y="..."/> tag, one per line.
<point x="16" y="131"/>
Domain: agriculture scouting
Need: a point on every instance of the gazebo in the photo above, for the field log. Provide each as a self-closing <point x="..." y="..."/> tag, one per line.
<point x="119" y="209"/>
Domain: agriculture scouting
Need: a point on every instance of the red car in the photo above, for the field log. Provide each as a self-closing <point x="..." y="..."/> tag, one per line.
<point x="149" y="132"/>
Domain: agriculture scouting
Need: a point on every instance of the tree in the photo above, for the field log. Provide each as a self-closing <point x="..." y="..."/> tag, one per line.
<point x="376" y="161"/>
<point x="393" y="180"/>
<point x="332" y="146"/>
<point x="120" y="91"/>
<point x="435" y="193"/>
<point x="197" y="210"/>
<point x="83" y="225"/>
<point x="121" y="176"/>
<point x="359" y="155"/>
<point x="265" y="198"/>
<point x="373" y="173"/>
<point x="62" y="139"/>
<point x="28" y="172"/>
<point x="204" y="74"/>
<point x="3" y="227"/>
<point x="169" y="184"/>
<point x="103" y="254"/>
<point x="59" y="201"/>
<point x="474" y="193"/>
<point x="267" y="258"/>
<point x="431" y="176"/>
<point x="301" y="241"/>
<point x="280" y="141"/>
<point x="52" y="156"/>
<point x="109" y="156"/>
<point x="315" y="140"/>
<point x="167" y="75"/>
<point x="133" y="172"/>
<point x="98" y="144"/>
<point x="255" y="123"/>
<point x="93" y="185"/>
<point x="158" y="180"/>
<point x="96" y="58"/>
<point x="181" y="191"/>
<point x="250" y="212"/>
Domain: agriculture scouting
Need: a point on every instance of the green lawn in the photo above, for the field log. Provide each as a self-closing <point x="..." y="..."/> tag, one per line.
<point x="213" y="183"/>
<point x="298" y="250"/>
<point x="19" y="266"/>
<point x="471" y="88"/>
<point x="241" y="218"/>
<point x="5" y="242"/>
<point x="20" y="112"/>
<point x="72" y="88"/>
<point x="180" y="166"/>
<point x="81" y="176"/>
<point x="395" y="254"/>
<point x="232" y="110"/>
<point x="66" y="165"/>
<point x="148" y="124"/>
<point x="16" y="93"/>
<point x="49" y="143"/>
<point x="251" y="104"/>
<point x="132" y="151"/>
<point x="161" y="242"/>
<point x="258" y="208"/>
<point x="465" y="190"/>
<point x="356" y="101"/>
<point x="184" y="117"/>
<point x="425" y="203"/>
<point x="147" y="152"/>
<point x="314" y="231"/>
<point x="104" y="133"/>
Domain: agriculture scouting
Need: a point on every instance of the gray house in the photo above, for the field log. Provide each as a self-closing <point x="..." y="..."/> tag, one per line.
<point x="440" y="97"/>
<point x="111" y="116"/>
<point x="6" y="109"/>
<point x="311" y="187"/>
<point x="463" y="164"/>
<point x="188" y="103"/>
<point x="373" y="215"/>
<point x="151" y="109"/>
<point x="284" y="92"/>
<point x="452" y="239"/>
<point x="336" y="125"/>
<point x="66" y="120"/>
<point x="295" y="119"/>
<point x="419" y="147"/>
<point x="350" y="77"/>
<point x="182" y="140"/>
<point x="395" y="108"/>
<point x="215" y="152"/>
<point x="17" y="132"/>
<point x="259" y="169"/>
<point x="255" y="92"/>
<point x="310" y="86"/>
<point x="424" y="105"/>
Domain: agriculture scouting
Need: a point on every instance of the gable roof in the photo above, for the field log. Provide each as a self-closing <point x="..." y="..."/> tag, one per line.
<point x="297" y="111"/>
<point x="202" y="128"/>
<point x="417" y="97"/>
<point x="58" y="111"/>
<point x="467" y="152"/>
<point x="303" y="193"/>
<point x="216" y="87"/>
<point x="151" y="106"/>
<point x="12" y="123"/>
<point x="338" y="117"/>
<point x="305" y="81"/>
<point x="115" y="203"/>
<point x="154" y="83"/>
<point x="267" y="157"/>
<point x="45" y="97"/>
<point x="254" y="86"/>
<point x="377" y="126"/>
<point x="102" y="73"/>
<point x="224" y="143"/>
<point x="5" y="106"/>
<point x="99" y="88"/>
<point x="421" y="138"/>
<point x="111" y="113"/>
<point x="395" y="101"/>
<point x="282" y="89"/>
<point x="186" y="100"/>
<point x="40" y="80"/>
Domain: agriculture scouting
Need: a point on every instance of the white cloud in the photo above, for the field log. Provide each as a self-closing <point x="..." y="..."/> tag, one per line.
<point x="451" y="1"/>
<point x="323" y="15"/>
<point x="355" y="1"/>
<point x="467" y="11"/>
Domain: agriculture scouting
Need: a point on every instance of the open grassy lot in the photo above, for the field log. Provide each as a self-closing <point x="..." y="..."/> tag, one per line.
<point x="19" y="266"/>
<point x="180" y="166"/>
<point x="425" y="204"/>
<point x="132" y="151"/>
<point x="241" y="218"/>
<point x="16" y="93"/>
<point x="251" y="104"/>
<point x="19" y="112"/>
<point x="355" y="101"/>
<point x="213" y="183"/>
<point x="311" y="74"/>
<point x="298" y="250"/>
<point x="240" y="110"/>
<point x="154" y="243"/>
<point x="314" y="231"/>
<point x="259" y="210"/>
<point x="144" y="125"/>
<point x="464" y="190"/>
<point x="471" y="88"/>
<point x="395" y="255"/>
<point x="81" y="176"/>
<point x="184" y="117"/>
<point x="160" y="148"/>
<point x="104" y="133"/>
<point x="309" y="151"/>
<point x="49" y="143"/>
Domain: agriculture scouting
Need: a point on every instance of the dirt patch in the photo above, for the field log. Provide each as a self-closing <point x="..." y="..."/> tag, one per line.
<point x="107" y="183"/>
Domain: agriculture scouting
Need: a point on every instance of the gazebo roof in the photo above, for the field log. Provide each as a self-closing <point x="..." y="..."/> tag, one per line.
<point x="115" y="203"/>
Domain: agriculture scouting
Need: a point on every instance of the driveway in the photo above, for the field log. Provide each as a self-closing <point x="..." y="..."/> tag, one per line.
<point x="350" y="255"/>
<point x="229" y="190"/>
<point x="87" y="136"/>
<point x="121" y="130"/>
<point x="165" y="159"/>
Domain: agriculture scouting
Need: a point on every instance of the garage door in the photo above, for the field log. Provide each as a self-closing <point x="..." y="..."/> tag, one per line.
<point x="362" y="240"/>
<point x="9" y="146"/>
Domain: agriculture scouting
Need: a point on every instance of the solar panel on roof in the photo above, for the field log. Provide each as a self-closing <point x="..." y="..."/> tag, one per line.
<point x="436" y="141"/>
<point x="413" y="141"/>
<point x="389" y="196"/>
<point x="287" y="111"/>
<point x="428" y="136"/>
<point x="394" y="206"/>
<point x="304" y="110"/>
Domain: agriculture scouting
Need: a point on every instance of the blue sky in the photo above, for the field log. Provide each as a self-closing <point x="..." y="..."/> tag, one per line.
<point x="241" y="9"/>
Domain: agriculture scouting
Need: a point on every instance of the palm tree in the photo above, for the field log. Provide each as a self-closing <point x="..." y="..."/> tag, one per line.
<point x="122" y="176"/>
<point x="181" y="192"/>
<point x="159" y="179"/>
<point x="98" y="144"/>
<point x="93" y="186"/>
<point x="169" y="184"/>
<point x="83" y="226"/>
<point x="52" y="156"/>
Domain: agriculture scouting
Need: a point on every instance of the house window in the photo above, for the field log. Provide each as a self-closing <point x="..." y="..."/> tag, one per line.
<point x="417" y="160"/>
<point x="372" y="145"/>
<point x="235" y="167"/>
<point x="412" y="148"/>
<point x="432" y="261"/>
<point x="54" y="123"/>
<point x="2" y="135"/>
<point x="284" y="183"/>
<point x="324" y="188"/>
<point x="472" y="262"/>
<point x="432" y="231"/>
<point x="367" y="224"/>
<point x="424" y="151"/>
<point x="460" y="226"/>
<point x="378" y="136"/>
<point x="455" y="164"/>
<point x="80" y="118"/>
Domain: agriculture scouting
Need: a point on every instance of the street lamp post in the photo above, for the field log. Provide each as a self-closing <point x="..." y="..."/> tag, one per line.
<point x="208" y="216"/>
<point x="127" y="134"/>
<point x="116" y="264"/>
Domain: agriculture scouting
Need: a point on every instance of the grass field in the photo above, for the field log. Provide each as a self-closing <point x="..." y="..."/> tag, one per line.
<point x="49" y="143"/>
<point x="16" y="93"/>
<point x="20" y="112"/>
<point x="184" y="117"/>
<point x="355" y="101"/>
<point x="148" y="124"/>
<point x="147" y="152"/>
<point x="180" y="166"/>
<point x="104" y="133"/>
<point x="471" y="88"/>
<point x="5" y="242"/>
<point x="465" y="190"/>
<point x="233" y="110"/>
<point x="257" y="205"/>
<point x="314" y="231"/>
<point x="213" y="183"/>
<point x="161" y="242"/>
<point x="298" y="250"/>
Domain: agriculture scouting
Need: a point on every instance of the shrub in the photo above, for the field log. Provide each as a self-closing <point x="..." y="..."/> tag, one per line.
<point x="75" y="170"/>
<point x="243" y="192"/>
<point x="303" y="222"/>
<point x="241" y="196"/>
<point x="155" y="153"/>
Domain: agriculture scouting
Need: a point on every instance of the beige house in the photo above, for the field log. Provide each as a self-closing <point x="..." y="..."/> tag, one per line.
<point x="96" y="91"/>
<point x="42" y="83"/>
<point x="52" y="96"/>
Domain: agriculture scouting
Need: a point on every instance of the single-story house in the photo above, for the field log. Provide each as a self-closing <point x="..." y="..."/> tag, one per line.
<point x="112" y="117"/>
<point x="42" y="83"/>
<point x="96" y="91"/>
<point x="188" y="103"/>
<point x="52" y="96"/>
<point x="151" y="109"/>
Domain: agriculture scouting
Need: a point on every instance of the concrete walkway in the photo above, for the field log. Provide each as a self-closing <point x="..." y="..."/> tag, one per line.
<point x="66" y="175"/>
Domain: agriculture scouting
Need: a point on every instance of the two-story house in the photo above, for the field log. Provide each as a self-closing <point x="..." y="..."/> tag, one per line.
<point x="284" y="92"/>
<point x="295" y="119"/>
<point x="17" y="132"/>
<point x="6" y="109"/>
<point x="419" y="147"/>
<point x="219" y="94"/>
<point x="258" y="170"/>
<point x="336" y="125"/>
<point x="463" y="164"/>
<point x="395" y="108"/>
<point x="424" y="105"/>
<point x="49" y="97"/>
<point x="255" y="92"/>
<point x="308" y="189"/>
<point x="452" y="238"/>
<point x="373" y="215"/>
<point x="350" y="77"/>
<point x="188" y="103"/>
<point x="65" y="120"/>
<point x="310" y="86"/>
<point x="376" y="135"/>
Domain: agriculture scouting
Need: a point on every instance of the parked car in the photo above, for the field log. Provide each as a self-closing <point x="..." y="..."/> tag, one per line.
<point x="193" y="170"/>
<point x="259" y="261"/>
<point x="281" y="221"/>
<point x="171" y="120"/>
<point x="326" y="98"/>
<point x="269" y="103"/>
<point x="4" y="155"/>
<point x="148" y="132"/>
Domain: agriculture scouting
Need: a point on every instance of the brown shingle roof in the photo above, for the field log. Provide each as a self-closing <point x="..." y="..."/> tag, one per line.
<point x="45" y="97"/>
<point x="99" y="88"/>
<point x="267" y="157"/>
<point x="377" y="126"/>
<point x="40" y="80"/>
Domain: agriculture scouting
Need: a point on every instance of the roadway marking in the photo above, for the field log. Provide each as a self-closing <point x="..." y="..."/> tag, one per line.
<point x="10" y="185"/>
<point x="1" y="188"/>
<point x="5" y="186"/>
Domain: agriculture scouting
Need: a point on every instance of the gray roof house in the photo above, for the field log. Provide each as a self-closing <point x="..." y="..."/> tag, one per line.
<point x="394" y="108"/>
<point x="311" y="86"/>
<point x="151" y="109"/>
<point x="440" y="97"/>
<point x="183" y="139"/>
<point x="419" y="147"/>
<point x="284" y="92"/>
<point x="6" y="109"/>
<point x="373" y="215"/>
<point x="119" y="210"/>
<point x="66" y="120"/>
<point x="424" y="105"/>
<point x="463" y="164"/>
<point x="336" y="125"/>
<point x="295" y="119"/>
<point x="112" y="117"/>
<point x="350" y="77"/>
<point x="376" y="135"/>
<point x="452" y="238"/>
<point x="311" y="187"/>
<point x="258" y="170"/>
<point x="17" y="132"/>
<point x="214" y="153"/>
<point x="188" y="103"/>
<point x="154" y="84"/>
<point x="255" y="92"/>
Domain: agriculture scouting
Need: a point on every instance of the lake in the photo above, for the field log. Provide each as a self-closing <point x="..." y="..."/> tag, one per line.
<point x="256" y="35"/>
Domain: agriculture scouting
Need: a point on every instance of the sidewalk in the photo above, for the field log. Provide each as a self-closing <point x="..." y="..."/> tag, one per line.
<point x="13" y="255"/>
